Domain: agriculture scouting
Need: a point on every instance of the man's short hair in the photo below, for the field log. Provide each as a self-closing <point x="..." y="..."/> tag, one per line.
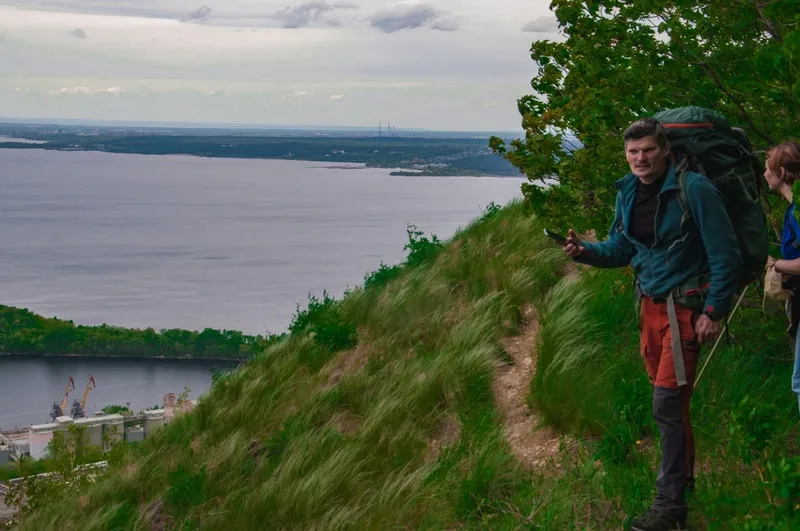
<point x="646" y="127"/>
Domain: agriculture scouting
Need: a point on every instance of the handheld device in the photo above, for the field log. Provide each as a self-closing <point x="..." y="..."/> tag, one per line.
<point x="555" y="237"/>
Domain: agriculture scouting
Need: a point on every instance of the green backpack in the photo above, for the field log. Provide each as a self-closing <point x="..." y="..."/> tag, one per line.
<point x="704" y="142"/>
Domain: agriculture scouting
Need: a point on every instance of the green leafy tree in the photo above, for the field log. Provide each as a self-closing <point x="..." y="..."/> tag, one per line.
<point x="622" y="60"/>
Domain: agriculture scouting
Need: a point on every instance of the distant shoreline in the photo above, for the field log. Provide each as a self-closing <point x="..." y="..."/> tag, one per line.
<point x="394" y="171"/>
<point x="402" y="156"/>
<point x="110" y="356"/>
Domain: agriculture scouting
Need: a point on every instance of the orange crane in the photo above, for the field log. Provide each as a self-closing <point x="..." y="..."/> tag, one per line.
<point x="86" y="393"/>
<point x="58" y="410"/>
<point x="66" y="392"/>
<point x="79" y="408"/>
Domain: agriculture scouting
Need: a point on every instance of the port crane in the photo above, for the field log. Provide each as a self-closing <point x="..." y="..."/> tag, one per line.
<point x="58" y="410"/>
<point x="79" y="408"/>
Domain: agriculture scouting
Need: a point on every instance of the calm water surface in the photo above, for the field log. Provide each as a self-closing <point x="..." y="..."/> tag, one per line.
<point x="186" y="242"/>
<point x="29" y="385"/>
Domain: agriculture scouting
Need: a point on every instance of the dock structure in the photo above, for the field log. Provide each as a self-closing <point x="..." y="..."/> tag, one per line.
<point x="102" y="430"/>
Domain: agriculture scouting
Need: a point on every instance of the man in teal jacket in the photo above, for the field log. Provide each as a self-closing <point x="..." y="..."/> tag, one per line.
<point x="687" y="272"/>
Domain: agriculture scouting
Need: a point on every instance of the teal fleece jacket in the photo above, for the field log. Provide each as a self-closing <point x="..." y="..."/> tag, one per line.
<point x="675" y="256"/>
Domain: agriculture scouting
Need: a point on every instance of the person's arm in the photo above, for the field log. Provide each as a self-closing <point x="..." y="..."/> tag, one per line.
<point x="788" y="267"/>
<point x="616" y="251"/>
<point x="719" y="239"/>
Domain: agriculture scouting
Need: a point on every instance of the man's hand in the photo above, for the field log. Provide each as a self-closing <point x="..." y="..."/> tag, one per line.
<point x="574" y="247"/>
<point x="770" y="262"/>
<point x="706" y="329"/>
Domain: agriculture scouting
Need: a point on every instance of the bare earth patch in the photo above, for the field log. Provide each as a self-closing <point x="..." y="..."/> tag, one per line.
<point x="6" y="512"/>
<point x="346" y="423"/>
<point x="348" y="362"/>
<point x="156" y="517"/>
<point x="531" y="446"/>
<point x="448" y="430"/>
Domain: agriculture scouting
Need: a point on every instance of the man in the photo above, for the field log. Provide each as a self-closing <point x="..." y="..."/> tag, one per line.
<point x="687" y="274"/>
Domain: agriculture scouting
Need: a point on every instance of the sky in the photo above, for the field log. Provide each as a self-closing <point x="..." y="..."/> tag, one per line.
<point x="435" y="64"/>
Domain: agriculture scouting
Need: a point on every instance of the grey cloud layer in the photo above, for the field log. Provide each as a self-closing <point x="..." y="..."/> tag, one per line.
<point x="404" y="16"/>
<point x="389" y="19"/>
<point x="310" y="12"/>
<point x="541" y="25"/>
<point x="78" y="33"/>
<point x="220" y="70"/>
<point x="173" y="9"/>
<point x="201" y="14"/>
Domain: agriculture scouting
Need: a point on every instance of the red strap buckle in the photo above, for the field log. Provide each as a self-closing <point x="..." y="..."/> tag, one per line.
<point x="698" y="290"/>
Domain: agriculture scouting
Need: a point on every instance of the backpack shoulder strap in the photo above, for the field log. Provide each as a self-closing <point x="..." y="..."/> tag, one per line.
<point x="683" y="198"/>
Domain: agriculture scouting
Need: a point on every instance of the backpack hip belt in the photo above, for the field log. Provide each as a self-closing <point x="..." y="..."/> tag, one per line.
<point x="691" y="294"/>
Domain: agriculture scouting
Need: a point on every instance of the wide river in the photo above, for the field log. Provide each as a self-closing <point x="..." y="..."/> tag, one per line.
<point x="186" y="242"/>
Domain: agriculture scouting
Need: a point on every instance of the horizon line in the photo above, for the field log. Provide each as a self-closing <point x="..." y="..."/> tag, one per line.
<point x="233" y="125"/>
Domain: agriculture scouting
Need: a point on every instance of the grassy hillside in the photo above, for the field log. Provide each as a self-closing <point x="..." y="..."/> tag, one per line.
<point x="379" y="411"/>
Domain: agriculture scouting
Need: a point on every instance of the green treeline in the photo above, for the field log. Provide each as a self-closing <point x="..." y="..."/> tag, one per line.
<point x="24" y="332"/>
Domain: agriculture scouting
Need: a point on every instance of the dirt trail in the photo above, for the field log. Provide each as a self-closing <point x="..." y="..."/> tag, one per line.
<point x="511" y="388"/>
<point x="531" y="445"/>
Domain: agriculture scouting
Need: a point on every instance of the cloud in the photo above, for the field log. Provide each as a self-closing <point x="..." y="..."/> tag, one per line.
<point x="78" y="33"/>
<point x="450" y="24"/>
<point x="541" y="25"/>
<point x="336" y="96"/>
<point x="85" y="91"/>
<point x="297" y="94"/>
<point x="403" y="16"/>
<point x="310" y="12"/>
<point x="201" y="15"/>
<point x="2" y="37"/>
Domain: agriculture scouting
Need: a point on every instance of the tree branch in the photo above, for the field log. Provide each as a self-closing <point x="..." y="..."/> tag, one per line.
<point x="769" y="25"/>
<point x="710" y="71"/>
<point x="718" y="82"/>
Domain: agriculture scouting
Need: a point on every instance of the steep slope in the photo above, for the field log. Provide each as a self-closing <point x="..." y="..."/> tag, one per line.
<point x="400" y="430"/>
<point x="417" y="403"/>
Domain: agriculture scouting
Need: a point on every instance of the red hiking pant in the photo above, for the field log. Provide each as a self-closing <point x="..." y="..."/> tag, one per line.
<point x="670" y="402"/>
<point x="656" y="344"/>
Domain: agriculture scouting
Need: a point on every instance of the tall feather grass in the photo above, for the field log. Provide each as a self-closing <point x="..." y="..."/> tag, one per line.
<point x="267" y="447"/>
<point x="276" y="445"/>
<point x="591" y="382"/>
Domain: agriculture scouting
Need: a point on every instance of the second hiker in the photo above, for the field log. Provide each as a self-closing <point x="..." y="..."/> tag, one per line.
<point x="676" y="268"/>
<point x="783" y="169"/>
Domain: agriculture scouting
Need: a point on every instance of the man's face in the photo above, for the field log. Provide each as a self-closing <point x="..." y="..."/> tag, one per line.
<point x="646" y="158"/>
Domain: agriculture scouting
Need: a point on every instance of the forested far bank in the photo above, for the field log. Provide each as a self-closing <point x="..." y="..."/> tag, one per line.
<point x="435" y="156"/>
<point x="24" y="332"/>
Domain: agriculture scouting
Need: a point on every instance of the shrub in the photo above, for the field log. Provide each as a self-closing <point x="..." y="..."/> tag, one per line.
<point x="382" y="276"/>
<point x="420" y="248"/>
<point x="324" y="320"/>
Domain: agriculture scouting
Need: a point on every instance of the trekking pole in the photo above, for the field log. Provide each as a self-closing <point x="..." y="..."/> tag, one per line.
<point x="728" y="320"/>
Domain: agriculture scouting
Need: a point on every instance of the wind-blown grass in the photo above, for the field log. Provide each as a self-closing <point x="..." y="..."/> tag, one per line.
<point x="272" y="446"/>
<point x="281" y="443"/>
<point x="591" y="382"/>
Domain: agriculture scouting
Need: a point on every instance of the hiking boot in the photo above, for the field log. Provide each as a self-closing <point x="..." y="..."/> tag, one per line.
<point x="655" y="521"/>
